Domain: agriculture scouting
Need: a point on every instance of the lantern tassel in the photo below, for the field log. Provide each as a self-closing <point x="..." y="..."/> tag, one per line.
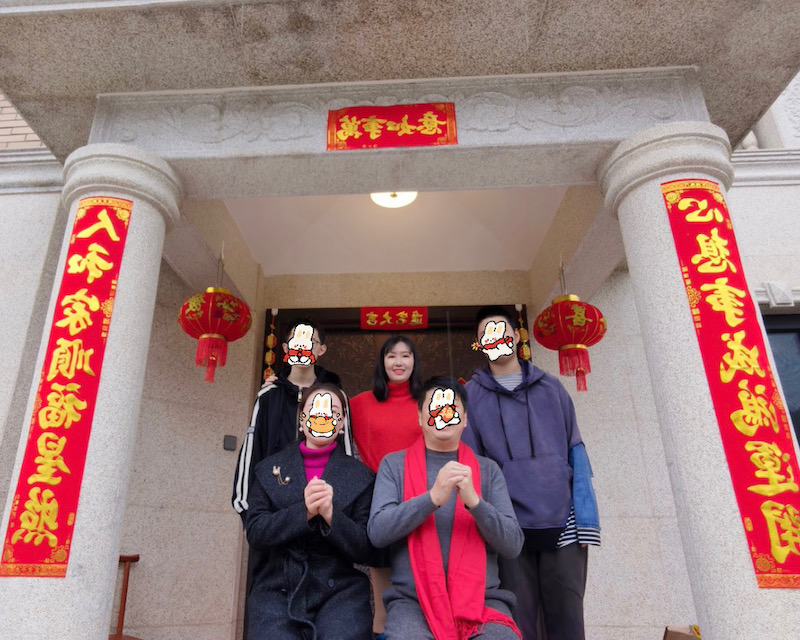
<point x="212" y="350"/>
<point x="572" y="359"/>
<point x="580" y="379"/>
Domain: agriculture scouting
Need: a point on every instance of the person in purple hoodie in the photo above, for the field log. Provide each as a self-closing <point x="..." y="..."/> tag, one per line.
<point x="523" y="419"/>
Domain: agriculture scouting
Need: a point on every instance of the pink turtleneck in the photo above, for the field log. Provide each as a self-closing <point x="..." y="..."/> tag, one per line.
<point x="314" y="460"/>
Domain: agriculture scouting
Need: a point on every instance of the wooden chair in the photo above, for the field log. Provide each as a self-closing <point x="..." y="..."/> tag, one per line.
<point x="126" y="562"/>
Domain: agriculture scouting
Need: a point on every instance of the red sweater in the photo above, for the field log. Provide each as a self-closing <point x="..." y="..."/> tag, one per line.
<point x="384" y="427"/>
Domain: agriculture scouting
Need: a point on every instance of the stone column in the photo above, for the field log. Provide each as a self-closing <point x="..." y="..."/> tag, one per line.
<point x="79" y="605"/>
<point x="728" y="602"/>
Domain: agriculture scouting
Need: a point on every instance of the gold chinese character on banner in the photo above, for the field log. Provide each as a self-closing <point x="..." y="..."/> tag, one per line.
<point x="77" y="314"/>
<point x="699" y="211"/>
<point x="783" y="524"/>
<point x="63" y="406"/>
<point x="373" y="126"/>
<point x="103" y="222"/>
<point x="757" y="411"/>
<point x="727" y="299"/>
<point x="402" y="127"/>
<point x="372" y="318"/>
<point x="402" y="317"/>
<point x="68" y="358"/>
<point x="714" y="254"/>
<point x="768" y="460"/>
<point x="349" y="128"/>
<point x="429" y="124"/>
<point x="416" y="317"/>
<point x="94" y="263"/>
<point x="39" y="519"/>
<point x="739" y="358"/>
<point x="387" y="318"/>
<point x="50" y="460"/>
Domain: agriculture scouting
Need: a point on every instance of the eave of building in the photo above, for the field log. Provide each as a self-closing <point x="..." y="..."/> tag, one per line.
<point x="745" y="52"/>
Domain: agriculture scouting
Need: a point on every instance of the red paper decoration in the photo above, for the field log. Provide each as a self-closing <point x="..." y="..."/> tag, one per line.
<point x="570" y="327"/>
<point x="214" y="318"/>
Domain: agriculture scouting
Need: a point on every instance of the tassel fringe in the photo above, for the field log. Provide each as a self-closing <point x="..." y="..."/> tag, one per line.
<point x="570" y="360"/>
<point x="211" y="351"/>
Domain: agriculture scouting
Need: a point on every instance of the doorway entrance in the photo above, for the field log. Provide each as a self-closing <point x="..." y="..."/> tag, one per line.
<point x="444" y="347"/>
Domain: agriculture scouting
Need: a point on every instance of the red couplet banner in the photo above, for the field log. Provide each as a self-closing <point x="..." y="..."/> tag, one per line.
<point x="753" y="425"/>
<point x="43" y="511"/>
<point x="394" y="318"/>
<point x="404" y="125"/>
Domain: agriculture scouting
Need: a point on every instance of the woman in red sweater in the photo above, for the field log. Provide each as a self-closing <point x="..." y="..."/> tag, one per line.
<point x="383" y="421"/>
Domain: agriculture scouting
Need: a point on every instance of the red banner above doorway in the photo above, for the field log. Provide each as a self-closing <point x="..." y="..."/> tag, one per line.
<point x="405" y="125"/>
<point x="394" y="318"/>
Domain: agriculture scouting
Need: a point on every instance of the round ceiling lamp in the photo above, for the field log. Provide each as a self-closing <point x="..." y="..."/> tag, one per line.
<point x="393" y="199"/>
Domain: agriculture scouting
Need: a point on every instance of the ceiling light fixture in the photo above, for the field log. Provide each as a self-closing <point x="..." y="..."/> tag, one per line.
<point x="393" y="199"/>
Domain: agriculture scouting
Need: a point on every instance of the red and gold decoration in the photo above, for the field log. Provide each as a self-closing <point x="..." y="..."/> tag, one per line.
<point x="524" y="347"/>
<point x="752" y="420"/>
<point x="43" y="510"/>
<point x="393" y="318"/>
<point x="570" y="327"/>
<point x="404" y="125"/>
<point x="270" y="342"/>
<point x="214" y="318"/>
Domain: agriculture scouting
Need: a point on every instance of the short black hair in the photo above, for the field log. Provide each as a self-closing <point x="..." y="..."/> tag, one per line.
<point x="380" y="381"/>
<point x="309" y="321"/>
<point x="492" y="311"/>
<point x="442" y="382"/>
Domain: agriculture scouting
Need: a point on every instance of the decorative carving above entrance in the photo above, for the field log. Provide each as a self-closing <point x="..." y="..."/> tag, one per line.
<point x="511" y="105"/>
<point x="555" y="129"/>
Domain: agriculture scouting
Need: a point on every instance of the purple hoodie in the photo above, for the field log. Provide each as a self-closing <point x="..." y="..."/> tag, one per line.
<point x="529" y="432"/>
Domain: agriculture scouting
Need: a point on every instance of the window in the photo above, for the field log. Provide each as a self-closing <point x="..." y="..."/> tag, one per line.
<point x="784" y="339"/>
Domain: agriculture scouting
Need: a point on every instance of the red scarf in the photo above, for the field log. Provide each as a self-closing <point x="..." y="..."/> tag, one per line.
<point x="493" y="345"/>
<point x="454" y="610"/>
<point x="436" y="412"/>
<point x="299" y="353"/>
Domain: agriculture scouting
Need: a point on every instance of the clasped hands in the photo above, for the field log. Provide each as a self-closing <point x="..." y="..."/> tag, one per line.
<point x="458" y="477"/>
<point x="318" y="496"/>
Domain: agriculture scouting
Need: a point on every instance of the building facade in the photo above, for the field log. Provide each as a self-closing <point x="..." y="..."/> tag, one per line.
<point x="157" y="479"/>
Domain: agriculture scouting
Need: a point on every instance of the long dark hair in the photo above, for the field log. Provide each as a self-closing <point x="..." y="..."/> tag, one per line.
<point x="380" y="381"/>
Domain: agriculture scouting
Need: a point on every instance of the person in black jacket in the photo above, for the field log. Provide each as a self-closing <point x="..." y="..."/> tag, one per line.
<point x="307" y="513"/>
<point x="273" y="424"/>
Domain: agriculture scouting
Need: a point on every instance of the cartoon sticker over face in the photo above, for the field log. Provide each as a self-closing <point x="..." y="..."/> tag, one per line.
<point x="321" y="422"/>
<point x="494" y="343"/>
<point x="300" y="345"/>
<point x="442" y="409"/>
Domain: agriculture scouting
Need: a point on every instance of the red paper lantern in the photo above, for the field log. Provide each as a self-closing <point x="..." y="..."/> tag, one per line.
<point x="215" y="318"/>
<point x="570" y="327"/>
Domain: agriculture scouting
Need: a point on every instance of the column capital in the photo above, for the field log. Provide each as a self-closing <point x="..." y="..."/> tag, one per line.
<point x="692" y="148"/>
<point x="124" y="170"/>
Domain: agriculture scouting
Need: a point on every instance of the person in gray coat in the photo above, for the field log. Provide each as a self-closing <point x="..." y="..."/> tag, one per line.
<point x="308" y="511"/>
<point x="445" y="515"/>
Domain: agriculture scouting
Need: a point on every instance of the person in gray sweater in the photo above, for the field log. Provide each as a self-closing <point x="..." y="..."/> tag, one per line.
<point x="445" y="515"/>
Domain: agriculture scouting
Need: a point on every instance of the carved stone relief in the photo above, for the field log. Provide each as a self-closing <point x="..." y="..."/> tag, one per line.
<point x="514" y="109"/>
<point x="791" y="102"/>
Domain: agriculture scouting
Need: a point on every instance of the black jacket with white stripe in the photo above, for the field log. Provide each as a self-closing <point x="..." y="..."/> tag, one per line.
<point x="273" y="426"/>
